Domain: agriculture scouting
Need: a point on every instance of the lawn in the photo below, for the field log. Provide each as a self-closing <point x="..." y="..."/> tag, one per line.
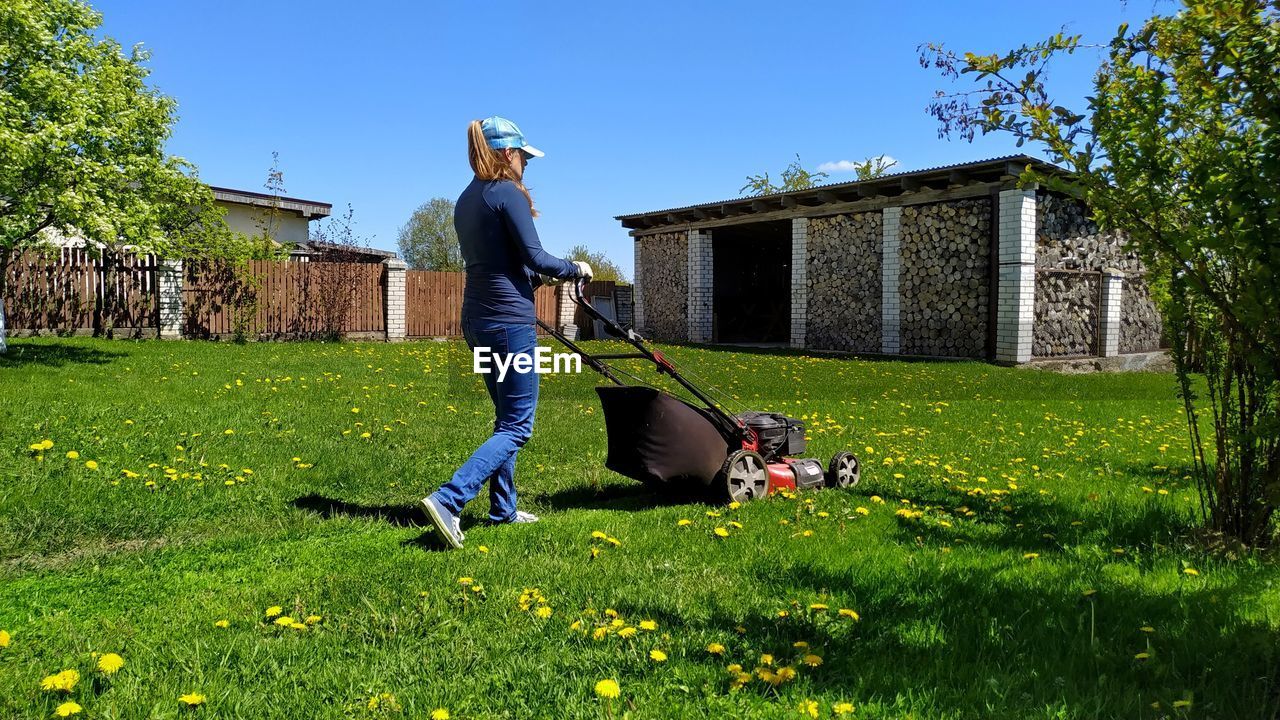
<point x="1021" y="545"/>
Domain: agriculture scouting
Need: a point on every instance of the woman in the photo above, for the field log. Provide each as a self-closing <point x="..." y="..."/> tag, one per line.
<point x="503" y="258"/>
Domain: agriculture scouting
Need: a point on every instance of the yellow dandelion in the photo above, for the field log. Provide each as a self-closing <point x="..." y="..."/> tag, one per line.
<point x="1142" y="656"/>
<point x="627" y="633"/>
<point x="284" y="620"/>
<point x="842" y="708"/>
<point x="543" y="612"/>
<point x="91" y="464"/>
<point x="192" y="699"/>
<point x="109" y="663"/>
<point x="298" y="626"/>
<point x="877" y="499"/>
<point x="608" y="689"/>
<point x="312" y="619"/>
<point x="4" y="638"/>
<point x="1191" y="571"/>
<point x="64" y="681"/>
<point x="801" y="644"/>
<point x="657" y="655"/>
<point x="810" y="708"/>
<point x="648" y="625"/>
<point x="1030" y="556"/>
<point x="851" y="614"/>
<point x="274" y="610"/>
<point x="68" y="708"/>
<point x="73" y="455"/>
<point x="684" y="522"/>
<point x="466" y="580"/>
<point x="818" y="606"/>
<point x="721" y="532"/>
<point x="598" y="535"/>
<point x="599" y="633"/>
<point x="440" y="714"/>
<point x="715" y="649"/>
<point x="862" y="511"/>
<point x="483" y="549"/>
<point x="812" y="660"/>
<point x="222" y="624"/>
<point x="735" y="505"/>
<point x="766" y="659"/>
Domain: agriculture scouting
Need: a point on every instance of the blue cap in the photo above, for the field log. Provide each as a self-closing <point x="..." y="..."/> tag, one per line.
<point x="502" y="133"/>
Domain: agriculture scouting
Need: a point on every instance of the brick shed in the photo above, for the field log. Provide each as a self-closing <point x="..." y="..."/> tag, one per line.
<point x="955" y="261"/>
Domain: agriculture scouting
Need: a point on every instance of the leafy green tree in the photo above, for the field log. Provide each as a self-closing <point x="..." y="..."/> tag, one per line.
<point x="602" y="267"/>
<point x="873" y="167"/>
<point x="428" y="241"/>
<point x="1180" y="148"/>
<point x="794" y="177"/>
<point x="82" y="141"/>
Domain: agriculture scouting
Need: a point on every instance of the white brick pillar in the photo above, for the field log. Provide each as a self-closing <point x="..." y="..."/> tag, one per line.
<point x="394" y="302"/>
<point x="566" y="310"/>
<point x="169" y="286"/>
<point x="1109" y="313"/>
<point x="700" y="286"/>
<point x="637" y="291"/>
<point x="799" y="280"/>
<point x="1016" y="292"/>
<point x="890" y="267"/>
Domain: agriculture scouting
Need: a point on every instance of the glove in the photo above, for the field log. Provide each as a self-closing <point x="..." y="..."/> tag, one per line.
<point x="584" y="270"/>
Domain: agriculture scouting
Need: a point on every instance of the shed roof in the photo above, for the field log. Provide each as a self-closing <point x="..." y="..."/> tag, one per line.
<point x="309" y="209"/>
<point x="943" y="176"/>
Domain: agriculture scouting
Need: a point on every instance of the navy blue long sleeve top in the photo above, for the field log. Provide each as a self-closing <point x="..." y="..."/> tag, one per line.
<point x="501" y="251"/>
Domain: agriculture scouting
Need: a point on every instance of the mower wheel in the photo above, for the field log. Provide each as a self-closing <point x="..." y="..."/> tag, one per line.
<point x="844" y="470"/>
<point x="744" y="476"/>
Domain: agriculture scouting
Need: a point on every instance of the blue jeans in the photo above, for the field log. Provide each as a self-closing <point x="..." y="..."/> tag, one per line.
<point x="514" y="400"/>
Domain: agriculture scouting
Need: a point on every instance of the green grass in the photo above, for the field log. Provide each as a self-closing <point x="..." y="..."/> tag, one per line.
<point x="1054" y="524"/>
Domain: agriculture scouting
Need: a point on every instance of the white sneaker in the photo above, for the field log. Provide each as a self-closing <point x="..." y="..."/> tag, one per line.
<point x="524" y="517"/>
<point x="447" y="524"/>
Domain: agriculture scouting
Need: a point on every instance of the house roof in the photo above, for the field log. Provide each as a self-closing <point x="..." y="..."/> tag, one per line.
<point x="310" y="209"/>
<point x="312" y="246"/>
<point x="884" y="186"/>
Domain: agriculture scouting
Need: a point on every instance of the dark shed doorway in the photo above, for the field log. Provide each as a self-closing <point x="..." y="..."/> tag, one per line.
<point x="751" y="299"/>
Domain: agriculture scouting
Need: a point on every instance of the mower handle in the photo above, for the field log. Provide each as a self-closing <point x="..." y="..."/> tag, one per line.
<point x="633" y="338"/>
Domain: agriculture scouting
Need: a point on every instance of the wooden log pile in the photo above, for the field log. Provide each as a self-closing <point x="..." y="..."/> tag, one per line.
<point x="943" y="283"/>
<point x="662" y="274"/>
<point x="843" y="264"/>
<point x="1066" y="239"/>
<point x="1140" y="324"/>
<point x="1066" y="319"/>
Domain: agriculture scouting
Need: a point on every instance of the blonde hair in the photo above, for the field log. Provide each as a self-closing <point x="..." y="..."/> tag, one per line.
<point x="489" y="164"/>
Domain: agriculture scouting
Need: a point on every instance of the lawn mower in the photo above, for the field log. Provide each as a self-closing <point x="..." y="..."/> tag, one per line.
<point x="659" y="439"/>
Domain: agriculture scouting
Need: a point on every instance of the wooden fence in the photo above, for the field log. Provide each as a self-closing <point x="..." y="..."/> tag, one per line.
<point x="269" y="299"/>
<point x="260" y="299"/>
<point x="72" y="292"/>
<point x="433" y="303"/>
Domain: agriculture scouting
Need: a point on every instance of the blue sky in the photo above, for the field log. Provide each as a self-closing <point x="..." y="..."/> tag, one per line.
<point x="639" y="106"/>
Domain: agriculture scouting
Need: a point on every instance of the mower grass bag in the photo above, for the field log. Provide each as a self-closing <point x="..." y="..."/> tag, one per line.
<point x="657" y="438"/>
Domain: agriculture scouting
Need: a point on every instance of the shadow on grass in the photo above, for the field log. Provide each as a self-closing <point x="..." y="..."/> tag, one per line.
<point x="630" y="497"/>
<point x="398" y="515"/>
<point x="408" y="516"/>
<point x="999" y="644"/>
<point x="55" y="355"/>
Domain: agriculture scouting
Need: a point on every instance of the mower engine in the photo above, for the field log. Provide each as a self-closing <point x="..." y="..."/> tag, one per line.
<point x="765" y="464"/>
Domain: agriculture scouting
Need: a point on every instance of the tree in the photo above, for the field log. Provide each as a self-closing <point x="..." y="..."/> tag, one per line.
<point x="337" y="274"/>
<point x="794" y="177"/>
<point x="1179" y="148"/>
<point x="81" y="137"/>
<point x="602" y="267"/>
<point x="428" y="241"/>
<point x="873" y="167"/>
